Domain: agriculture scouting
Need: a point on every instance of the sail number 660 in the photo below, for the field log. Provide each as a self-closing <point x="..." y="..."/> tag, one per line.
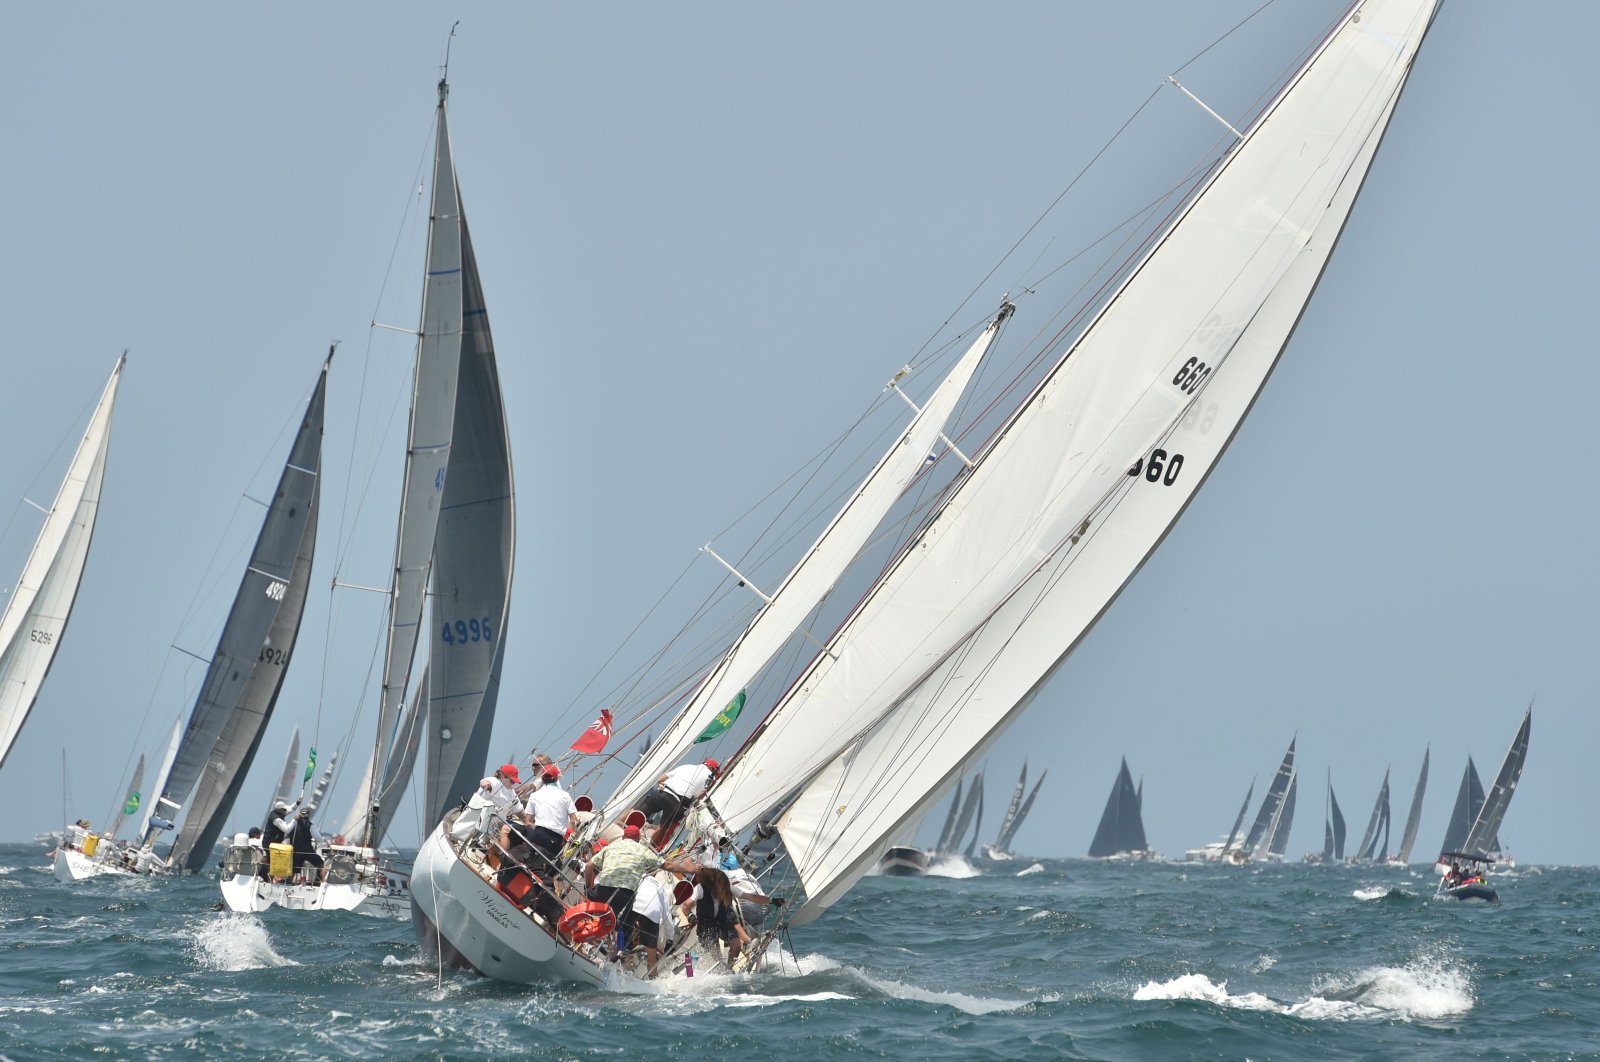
<point x="1161" y="468"/>
<point x="1191" y="376"/>
<point x="463" y="631"/>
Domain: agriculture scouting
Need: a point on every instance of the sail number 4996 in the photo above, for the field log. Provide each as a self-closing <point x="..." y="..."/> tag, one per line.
<point x="463" y="631"/>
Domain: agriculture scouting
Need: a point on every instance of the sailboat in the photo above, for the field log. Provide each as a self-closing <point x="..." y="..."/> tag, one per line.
<point x="454" y="547"/>
<point x="1024" y="550"/>
<point x="1121" y="831"/>
<point x="1332" y="831"/>
<point x="1467" y="866"/>
<point x="1374" y="845"/>
<point x="35" y="617"/>
<point x="1218" y="851"/>
<point x="1016" y="812"/>
<point x="1257" y="843"/>
<point x="1402" y="855"/>
<point x="201" y="780"/>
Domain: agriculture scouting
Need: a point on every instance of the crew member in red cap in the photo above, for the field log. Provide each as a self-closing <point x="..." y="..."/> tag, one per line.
<point x="675" y="791"/>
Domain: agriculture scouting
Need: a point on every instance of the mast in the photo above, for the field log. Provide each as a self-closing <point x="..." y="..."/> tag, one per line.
<point x="428" y="440"/>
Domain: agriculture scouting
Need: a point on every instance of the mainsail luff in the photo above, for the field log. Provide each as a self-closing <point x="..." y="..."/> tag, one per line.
<point x="889" y="777"/>
<point x="812" y="577"/>
<point x="35" y="617"/>
<point x="1121" y="826"/>
<point x="1221" y="262"/>
<point x="268" y="588"/>
<point x="1414" y="816"/>
<point x="474" y="554"/>
<point x="1483" y="838"/>
<point x="428" y="439"/>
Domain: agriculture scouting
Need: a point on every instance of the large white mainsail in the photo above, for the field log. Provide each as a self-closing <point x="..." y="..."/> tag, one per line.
<point x="811" y="578"/>
<point x="1318" y="139"/>
<point x="1175" y="322"/>
<point x="36" y="616"/>
<point x="428" y="440"/>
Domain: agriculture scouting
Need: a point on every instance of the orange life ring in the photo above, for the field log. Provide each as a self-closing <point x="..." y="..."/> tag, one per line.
<point x="586" y="921"/>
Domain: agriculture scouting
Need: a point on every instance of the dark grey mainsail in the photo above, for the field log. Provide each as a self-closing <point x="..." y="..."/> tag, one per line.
<point x="1014" y="806"/>
<point x="1377" y="825"/>
<point x="1484" y="837"/>
<point x="253" y="639"/>
<point x="1238" y="821"/>
<point x="472" y="563"/>
<point x="1283" y="822"/>
<point x="964" y="820"/>
<point x="1121" y="827"/>
<point x="1469" y="798"/>
<point x="1008" y="832"/>
<point x="1332" y="828"/>
<point x="1272" y="801"/>
<point x="948" y="834"/>
<point x="977" y="822"/>
<point x="279" y="603"/>
<point x="1414" y="816"/>
<point x="428" y="445"/>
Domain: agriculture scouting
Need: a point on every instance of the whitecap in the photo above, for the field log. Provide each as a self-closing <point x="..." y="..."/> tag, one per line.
<point x="1371" y="892"/>
<point x="1202" y="988"/>
<point x="951" y="866"/>
<point x="1037" y="868"/>
<point x="234" y="942"/>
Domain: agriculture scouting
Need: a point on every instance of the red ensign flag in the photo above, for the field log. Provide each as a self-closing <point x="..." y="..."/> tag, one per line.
<point x="594" y="739"/>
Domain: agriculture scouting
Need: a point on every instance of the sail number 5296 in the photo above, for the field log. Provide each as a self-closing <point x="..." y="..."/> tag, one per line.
<point x="462" y="631"/>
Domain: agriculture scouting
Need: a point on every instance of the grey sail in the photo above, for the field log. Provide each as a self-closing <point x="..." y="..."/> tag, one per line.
<point x="1414" y="816"/>
<point x="291" y="763"/>
<point x="1464" y="810"/>
<point x="1483" y="838"/>
<point x="1377" y="823"/>
<point x="472" y="564"/>
<point x="977" y="822"/>
<point x="1338" y="825"/>
<point x="428" y="441"/>
<point x="1283" y="822"/>
<point x="948" y="834"/>
<point x="132" y="801"/>
<point x="252" y="639"/>
<point x="1014" y="807"/>
<point x="1272" y="801"/>
<point x="1010" y="833"/>
<point x="964" y="820"/>
<point x="1330" y="851"/>
<point x="1121" y="825"/>
<point x="1238" y="821"/>
<point x="264" y="624"/>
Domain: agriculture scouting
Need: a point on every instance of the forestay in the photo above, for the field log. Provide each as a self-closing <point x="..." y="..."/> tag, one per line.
<point x="1290" y="186"/>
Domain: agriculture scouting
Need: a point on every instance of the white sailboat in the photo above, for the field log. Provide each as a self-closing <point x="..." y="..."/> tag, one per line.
<point x="1032" y="542"/>
<point x="454" y="545"/>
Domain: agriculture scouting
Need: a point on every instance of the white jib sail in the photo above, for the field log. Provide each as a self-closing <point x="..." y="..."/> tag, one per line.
<point x="1175" y="320"/>
<point x="36" y="616"/>
<point x="816" y="573"/>
<point x="837" y="826"/>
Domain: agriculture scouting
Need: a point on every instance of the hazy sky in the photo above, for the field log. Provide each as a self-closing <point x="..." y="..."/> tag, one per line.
<point x="708" y="233"/>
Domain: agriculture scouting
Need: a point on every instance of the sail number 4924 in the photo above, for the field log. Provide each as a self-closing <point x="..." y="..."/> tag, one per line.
<point x="460" y="632"/>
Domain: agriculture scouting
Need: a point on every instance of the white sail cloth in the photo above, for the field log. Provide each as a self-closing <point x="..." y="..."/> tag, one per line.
<point x="1314" y="149"/>
<point x="36" y="615"/>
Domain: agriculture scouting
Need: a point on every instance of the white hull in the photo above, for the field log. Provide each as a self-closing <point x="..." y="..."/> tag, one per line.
<point x="248" y="894"/>
<point x="72" y="865"/>
<point x="903" y="861"/>
<point x="461" y="917"/>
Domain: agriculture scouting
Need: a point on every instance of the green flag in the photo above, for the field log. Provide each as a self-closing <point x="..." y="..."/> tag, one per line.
<point x="133" y="802"/>
<point x="311" y="765"/>
<point x="723" y="720"/>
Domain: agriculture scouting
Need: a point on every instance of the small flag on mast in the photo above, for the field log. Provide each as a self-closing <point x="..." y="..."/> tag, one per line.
<point x="311" y="765"/>
<point x="724" y="719"/>
<point x="594" y="739"/>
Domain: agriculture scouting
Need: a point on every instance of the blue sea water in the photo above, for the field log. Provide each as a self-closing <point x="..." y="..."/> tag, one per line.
<point x="1023" y="959"/>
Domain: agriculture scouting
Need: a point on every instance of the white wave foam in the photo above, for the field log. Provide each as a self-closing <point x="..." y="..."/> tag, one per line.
<point x="1429" y="988"/>
<point x="1037" y="868"/>
<point x="951" y="866"/>
<point x="234" y="942"/>
<point x="1371" y="892"/>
